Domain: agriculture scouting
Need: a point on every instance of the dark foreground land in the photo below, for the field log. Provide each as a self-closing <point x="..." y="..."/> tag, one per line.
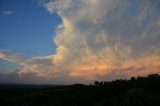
<point x="142" y="91"/>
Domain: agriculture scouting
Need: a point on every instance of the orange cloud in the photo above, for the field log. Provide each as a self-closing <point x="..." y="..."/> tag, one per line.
<point x="90" y="72"/>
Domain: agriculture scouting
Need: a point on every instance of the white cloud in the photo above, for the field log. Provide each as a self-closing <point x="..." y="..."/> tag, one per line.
<point x="40" y="66"/>
<point x="7" y="13"/>
<point x="95" y="36"/>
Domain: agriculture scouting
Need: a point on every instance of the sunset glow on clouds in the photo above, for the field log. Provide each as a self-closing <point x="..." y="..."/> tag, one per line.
<point x="98" y="40"/>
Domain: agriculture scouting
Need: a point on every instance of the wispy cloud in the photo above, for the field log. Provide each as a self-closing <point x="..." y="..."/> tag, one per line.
<point x="40" y="66"/>
<point x="7" y="13"/>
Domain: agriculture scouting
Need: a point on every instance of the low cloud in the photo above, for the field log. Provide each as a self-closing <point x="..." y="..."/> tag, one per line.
<point x="41" y="67"/>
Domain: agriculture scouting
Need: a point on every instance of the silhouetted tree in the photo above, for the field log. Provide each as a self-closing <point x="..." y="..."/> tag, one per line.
<point x="97" y="83"/>
<point x="133" y="79"/>
<point x="141" y="91"/>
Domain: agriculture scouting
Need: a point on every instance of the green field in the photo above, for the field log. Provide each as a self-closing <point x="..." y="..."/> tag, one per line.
<point x="141" y="91"/>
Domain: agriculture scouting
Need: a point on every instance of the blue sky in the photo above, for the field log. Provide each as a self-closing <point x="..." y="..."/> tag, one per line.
<point x="29" y="29"/>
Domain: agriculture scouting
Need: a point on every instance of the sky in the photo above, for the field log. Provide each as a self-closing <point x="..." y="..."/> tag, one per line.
<point x="27" y="28"/>
<point x="78" y="41"/>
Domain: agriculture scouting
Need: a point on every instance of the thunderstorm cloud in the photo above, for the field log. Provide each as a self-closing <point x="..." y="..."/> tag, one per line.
<point x="99" y="40"/>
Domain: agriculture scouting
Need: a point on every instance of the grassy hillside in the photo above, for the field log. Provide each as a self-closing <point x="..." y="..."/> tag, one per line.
<point x="142" y="91"/>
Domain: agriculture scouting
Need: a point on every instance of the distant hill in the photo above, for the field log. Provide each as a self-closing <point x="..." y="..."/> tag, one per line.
<point x="141" y="91"/>
<point x="25" y="86"/>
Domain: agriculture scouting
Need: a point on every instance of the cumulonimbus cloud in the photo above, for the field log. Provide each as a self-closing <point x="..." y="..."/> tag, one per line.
<point x="101" y="39"/>
<point x="97" y="38"/>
